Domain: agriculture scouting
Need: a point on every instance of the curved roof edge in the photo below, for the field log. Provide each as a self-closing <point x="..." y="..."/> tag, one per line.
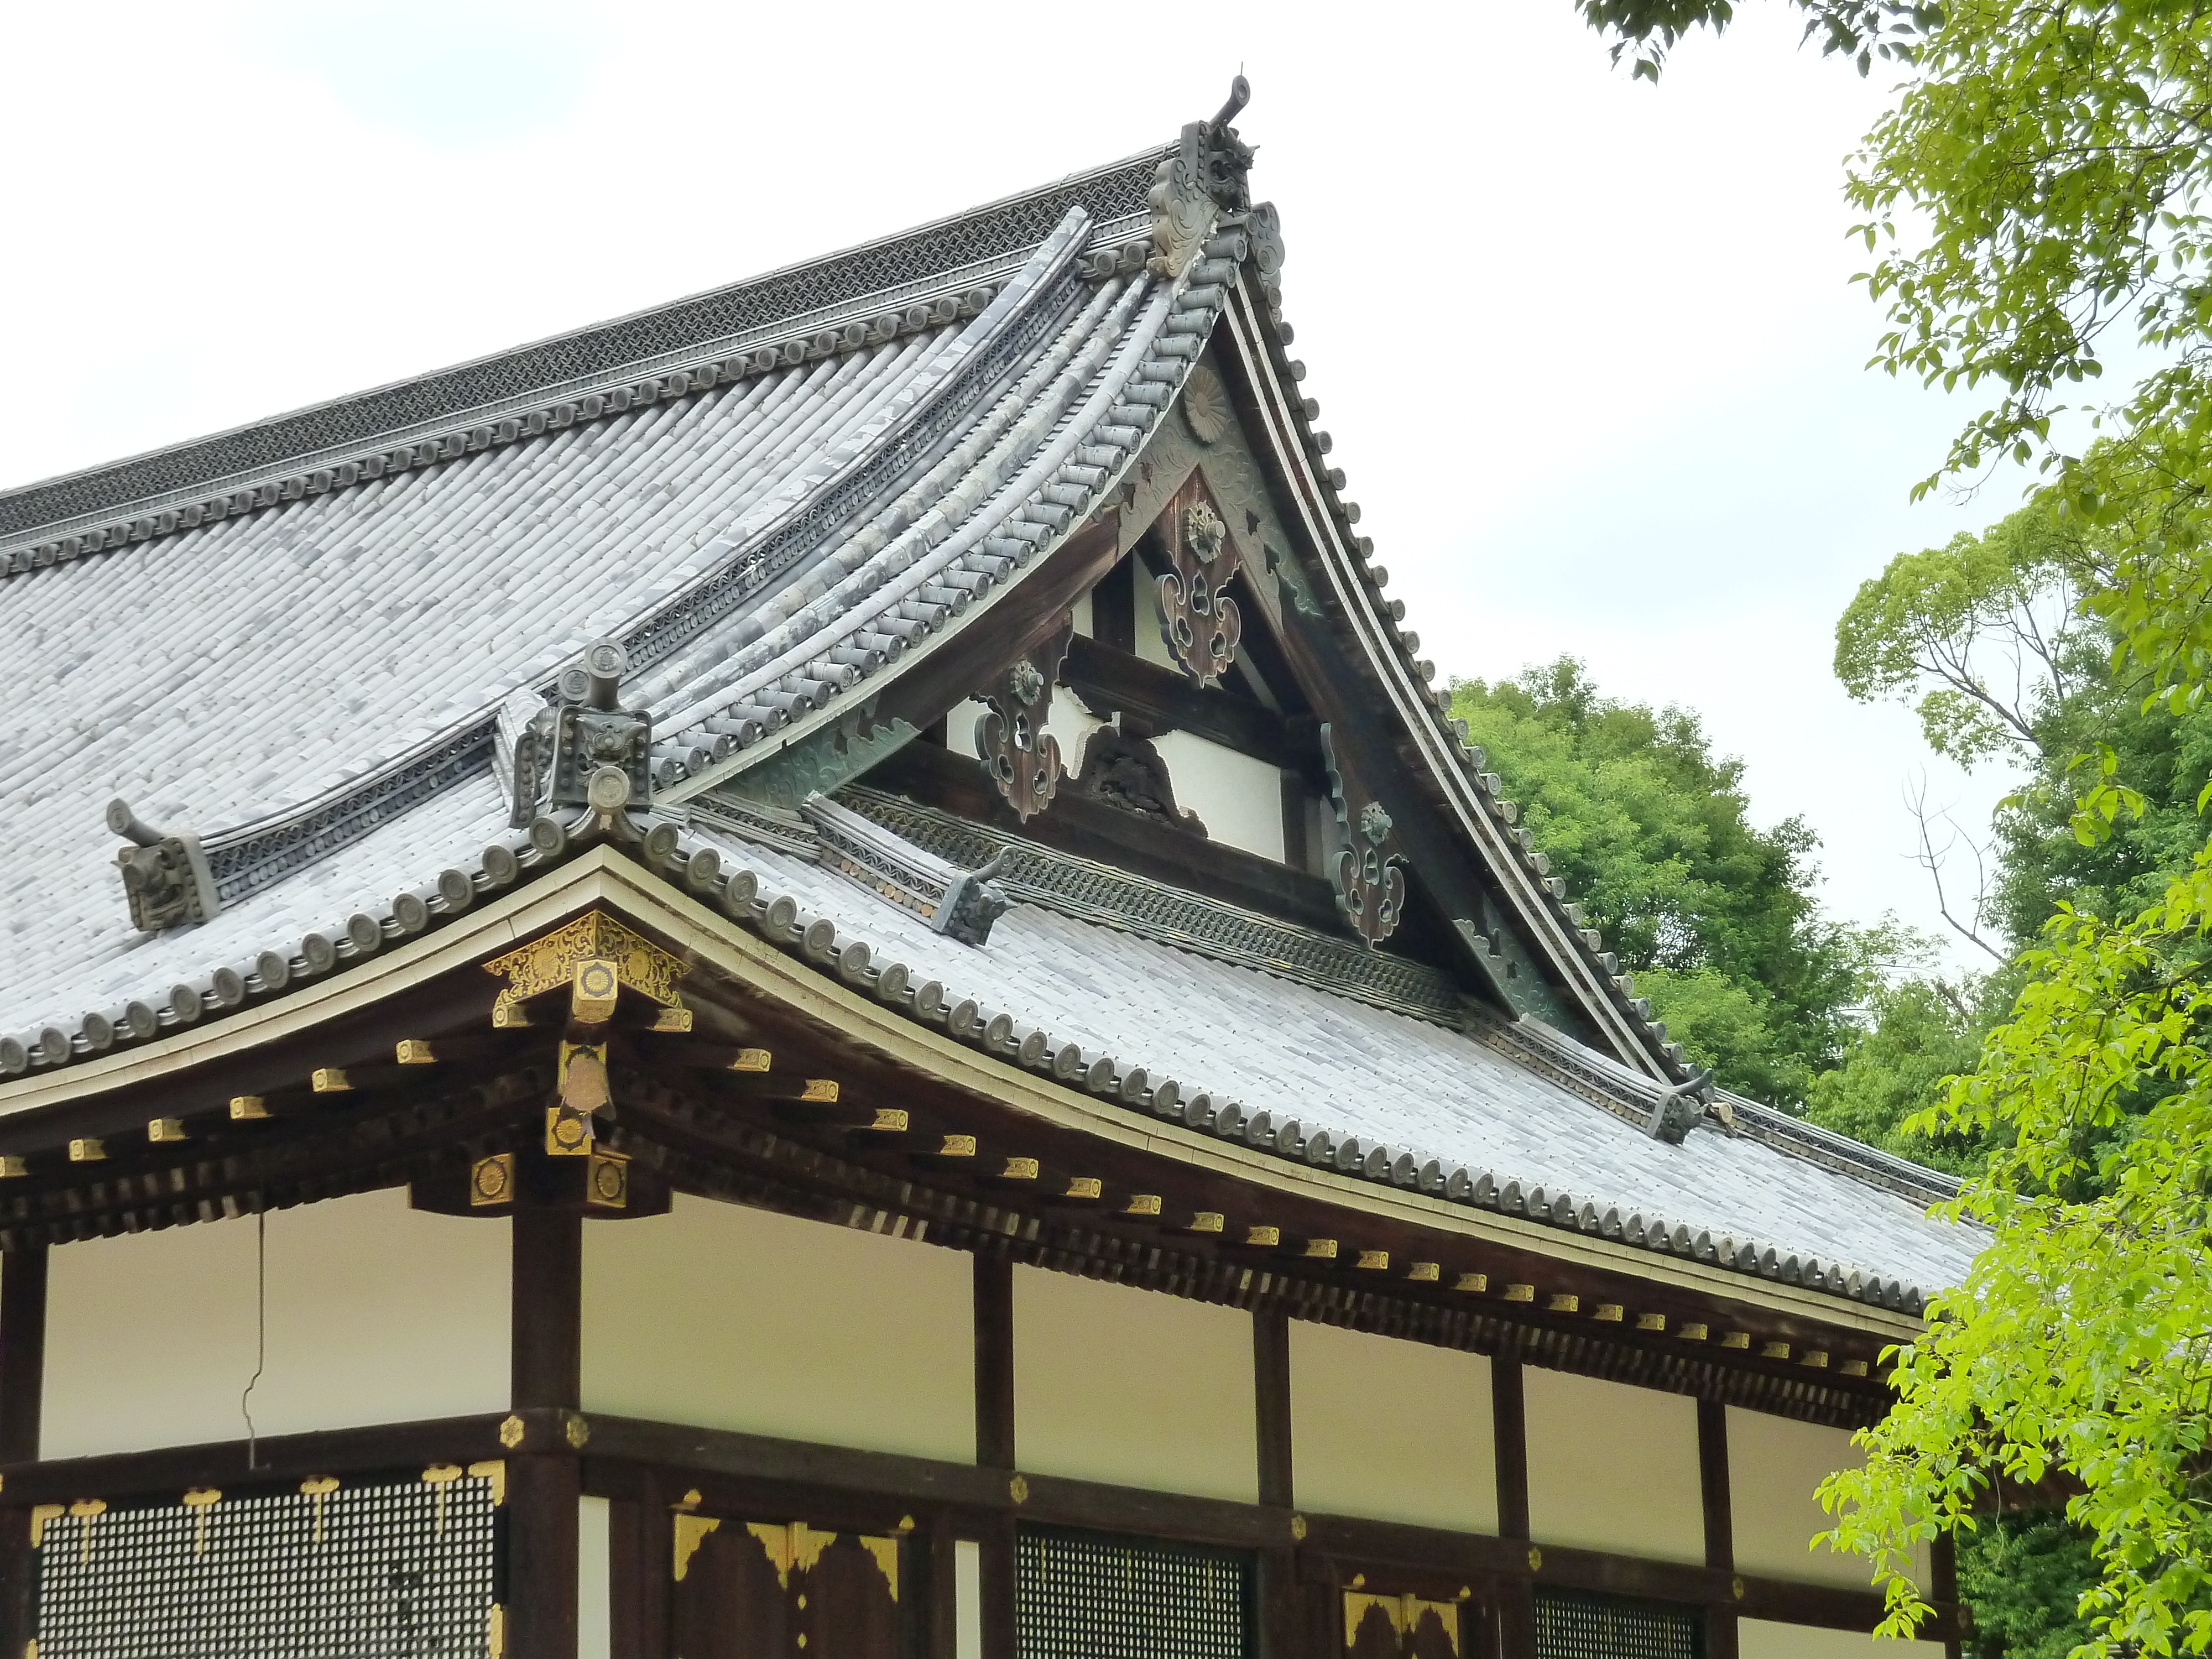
<point x="954" y="250"/>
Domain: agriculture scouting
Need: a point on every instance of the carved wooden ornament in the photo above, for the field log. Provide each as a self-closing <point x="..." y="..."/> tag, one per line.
<point x="1198" y="619"/>
<point x="1022" y="757"/>
<point x="1371" y="887"/>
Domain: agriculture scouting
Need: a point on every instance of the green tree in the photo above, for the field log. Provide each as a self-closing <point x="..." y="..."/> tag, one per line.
<point x="1713" y="915"/>
<point x="1916" y="1035"/>
<point x="2036" y="194"/>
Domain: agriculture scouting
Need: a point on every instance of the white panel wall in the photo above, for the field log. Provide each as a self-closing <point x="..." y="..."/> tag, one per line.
<point x="1133" y="1386"/>
<point x="736" y="1318"/>
<point x="594" y="1579"/>
<point x="1613" y="1467"/>
<point x="1240" y="800"/>
<point x="376" y="1314"/>
<point x="1397" y="1431"/>
<point x="1775" y="1466"/>
<point x="1758" y="1639"/>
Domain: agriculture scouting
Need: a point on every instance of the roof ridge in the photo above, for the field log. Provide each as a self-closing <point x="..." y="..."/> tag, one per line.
<point x="924" y="254"/>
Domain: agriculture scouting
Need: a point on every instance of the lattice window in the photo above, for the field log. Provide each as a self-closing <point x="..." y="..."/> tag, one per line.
<point x="1570" y="1626"/>
<point x="342" y="1572"/>
<point x="1082" y="1596"/>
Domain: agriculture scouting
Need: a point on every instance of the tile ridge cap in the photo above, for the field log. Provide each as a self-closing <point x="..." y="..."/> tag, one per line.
<point x="17" y="526"/>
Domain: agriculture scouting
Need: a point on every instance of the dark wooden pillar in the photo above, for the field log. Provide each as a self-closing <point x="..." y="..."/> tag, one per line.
<point x="22" y="1385"/>
<point x="994" y="1445"/>
<point x="22" y="1352"/>
<point x="1516" y="1601"/>
<point x="544" y="1481"/>
<point x="1277" y="1590"/>
<point x="1720" y="1524"/>
<point x="994" y="1363"/>
<point x="1943" y="1585"/>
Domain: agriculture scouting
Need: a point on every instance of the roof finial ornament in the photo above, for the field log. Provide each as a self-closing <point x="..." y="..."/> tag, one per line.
<point x="166" y="879"/>
<point x="584" y="756"/>
<point x="1203" y="178"/>
<point x="1676" y="1112"/>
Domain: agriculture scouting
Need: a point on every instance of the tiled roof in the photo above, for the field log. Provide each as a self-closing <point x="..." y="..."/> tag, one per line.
<point x="300" y="641"/>
<point x="763" y="536"/>
<point x="1395" y="1082"/>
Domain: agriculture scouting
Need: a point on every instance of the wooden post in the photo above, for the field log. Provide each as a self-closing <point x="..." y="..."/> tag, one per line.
<point x="544" y="1483"/>
<point x="22" y="1385"/>
<point x="22" y="1352"/>
<point x="1943" y="1584"/>
<point x="1720" y="1524"/>
<point x="1516" y="1601"/>
<point x="1276" y="1589"/>
<point x="994" y="1363"/>
<point x="995" y="1446"/>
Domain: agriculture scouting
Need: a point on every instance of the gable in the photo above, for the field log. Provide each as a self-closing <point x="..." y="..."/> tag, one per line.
<point x="1243" y="734"/>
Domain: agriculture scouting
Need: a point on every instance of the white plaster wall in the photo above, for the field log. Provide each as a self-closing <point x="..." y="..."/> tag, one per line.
<point x="1239" y="799"/>
<point x="1775" y="1466"/>
<point x="737" y="1318"/>
<point x="376" y="1313"/>
<point x="1128" y="1386"/>
<point x="1756" y="1638"/>
<point x="1081" y="608"/>
<point x="1392" y="1430"/>
<point x="967" y="1599"/>
<point x="1613" y="1467"/>
<point x="594" y="1579"/>
<point x="1069" y="723"/>
<point x="960" y="727"/>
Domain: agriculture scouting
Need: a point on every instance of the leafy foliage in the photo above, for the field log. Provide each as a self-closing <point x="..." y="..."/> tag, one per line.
<point x="2023" y="1575"/>
<point x="2035" y="200"/>
<point x="1982" y="632"/>
<point x="1917" y="1036"/>
<point x="2082" y="1335"/>
<point x="1863" y="30"/>
<point x="1713" y="915"/>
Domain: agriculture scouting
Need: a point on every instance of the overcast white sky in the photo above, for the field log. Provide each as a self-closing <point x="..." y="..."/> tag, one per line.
<point x="1589" y="349"/>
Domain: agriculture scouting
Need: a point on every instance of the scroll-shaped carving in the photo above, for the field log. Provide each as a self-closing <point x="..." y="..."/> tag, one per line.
<point x="1022" y="757"/>
<point x="1206" y="174"/>
<point x="1264" y="228"/>
<point x="166" y="879"/>
<point x="1371" y="887"/>
<point x="1198" y="620"/>
<point x="1125" y="770"/>
<point x="586" y="731"/>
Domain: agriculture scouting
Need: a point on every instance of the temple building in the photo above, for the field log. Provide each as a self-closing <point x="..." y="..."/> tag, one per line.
<point x="816" y="974"/>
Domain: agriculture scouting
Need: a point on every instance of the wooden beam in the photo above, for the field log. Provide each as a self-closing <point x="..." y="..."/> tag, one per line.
<point x="1509" y="1420"/>
<point x="1270" y="1402"/>
<point x="281" y="1462"/>
<point x="941" y="1634"/>
<point x="1112" y="835"/>
<point x="22" y="1385"/>
<point x="1942" y="1586"/>
<point x="1115" y="682"/>
<point x="547" y="1313"/>
<point x="1001" y="1569"/>
<point x="544" y="1493"/>
<point x="994" y="1362"/>
<point x="1277" y="1625"/>
<point x="1720" y="1525"/>
<point x="544" y="1487"/>
<point x="22" y="1351"/>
